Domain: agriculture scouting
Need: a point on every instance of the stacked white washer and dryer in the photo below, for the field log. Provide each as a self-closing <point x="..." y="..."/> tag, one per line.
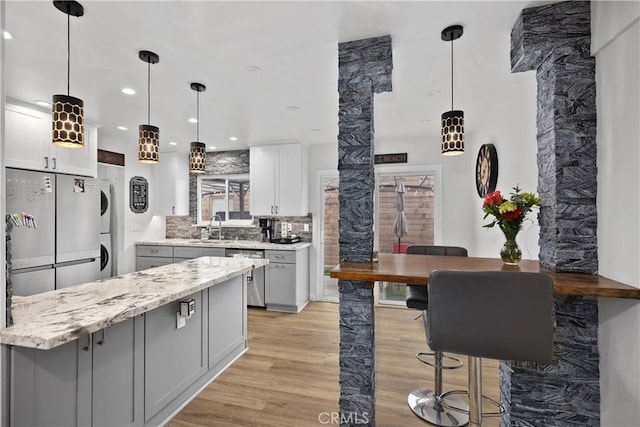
<point x="106" y="241"/>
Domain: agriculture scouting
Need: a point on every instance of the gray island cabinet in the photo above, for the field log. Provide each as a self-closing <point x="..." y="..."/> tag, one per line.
<point x="119" y="355"/>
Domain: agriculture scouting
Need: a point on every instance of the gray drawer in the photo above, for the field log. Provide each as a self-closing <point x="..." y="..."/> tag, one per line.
<point x="185" y="252"/>
<point x="212" y="252"/>
<point x="287" y="257"/>
<point x="151" y="250"/>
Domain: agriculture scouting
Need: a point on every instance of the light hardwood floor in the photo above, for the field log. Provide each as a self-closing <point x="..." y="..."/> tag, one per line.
<point x="289" y="376"/>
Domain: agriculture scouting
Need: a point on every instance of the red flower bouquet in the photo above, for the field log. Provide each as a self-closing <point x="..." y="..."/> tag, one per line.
<point x="509" y="214"/>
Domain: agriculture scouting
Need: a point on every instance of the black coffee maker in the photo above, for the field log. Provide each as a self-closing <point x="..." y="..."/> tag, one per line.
<point x="266" y="229"/>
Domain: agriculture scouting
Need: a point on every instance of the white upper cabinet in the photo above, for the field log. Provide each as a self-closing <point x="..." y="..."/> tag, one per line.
<point x="28" y="145"/>
<point x="279" y="180"/>
<point x="172" y="178"/>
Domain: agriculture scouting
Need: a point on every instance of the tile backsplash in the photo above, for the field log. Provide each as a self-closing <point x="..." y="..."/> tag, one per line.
<point x="181" y="227"/>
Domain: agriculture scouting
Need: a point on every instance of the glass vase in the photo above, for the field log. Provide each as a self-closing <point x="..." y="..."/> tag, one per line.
<point x="510" y="252"/>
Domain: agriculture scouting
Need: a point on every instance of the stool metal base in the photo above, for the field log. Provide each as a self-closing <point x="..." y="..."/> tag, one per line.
<point x="427" y="406"/>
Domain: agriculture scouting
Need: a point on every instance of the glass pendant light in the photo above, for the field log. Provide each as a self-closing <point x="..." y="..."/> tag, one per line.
<point x="452" y="121"/>
<point x="197" y="150"/>
<point x="67" y="112"/>
<point x="148" y="135"/>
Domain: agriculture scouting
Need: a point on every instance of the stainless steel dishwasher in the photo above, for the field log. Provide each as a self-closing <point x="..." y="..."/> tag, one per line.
<point x="255" y="280"/>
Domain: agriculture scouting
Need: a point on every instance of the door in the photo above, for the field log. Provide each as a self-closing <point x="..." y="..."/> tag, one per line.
<point x="262" y="172"/>
<point x="77" y="161"/>
<point x="26" y="134"/>
<point x="420" y="206"/>
<point x="33" y="281"/>
<point x="33" y="193"/>
<point x="329" y="234"/>
<point x="289" y="176"/>
<point x="72" y="274"/>
<point x="117" y="374"/>
<point x="77" y="218"/>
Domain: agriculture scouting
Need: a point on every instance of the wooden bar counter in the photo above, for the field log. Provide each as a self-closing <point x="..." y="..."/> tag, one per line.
<point x="415" y="269"/>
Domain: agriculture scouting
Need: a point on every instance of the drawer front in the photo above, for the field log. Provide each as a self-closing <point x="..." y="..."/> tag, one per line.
<point x="143" y="263"/>
<point x="185" y="252"/>
<point x="287" y="257"/>
<point x="150" y="250"/>
<point x="212" y="252"/>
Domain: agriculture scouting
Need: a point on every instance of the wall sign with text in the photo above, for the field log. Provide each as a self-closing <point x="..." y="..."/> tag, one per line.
<point x="380" y="159"/>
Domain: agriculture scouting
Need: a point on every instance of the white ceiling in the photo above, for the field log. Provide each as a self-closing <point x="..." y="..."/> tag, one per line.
<point x="295" y="44"/>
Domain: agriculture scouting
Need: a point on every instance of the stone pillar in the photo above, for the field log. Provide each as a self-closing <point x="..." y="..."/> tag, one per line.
<point x="364" y="69"/>
<point x="554" y="40"/>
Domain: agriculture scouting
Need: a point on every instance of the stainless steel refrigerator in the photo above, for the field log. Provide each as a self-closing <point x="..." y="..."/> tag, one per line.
<point x="55" y="241"/>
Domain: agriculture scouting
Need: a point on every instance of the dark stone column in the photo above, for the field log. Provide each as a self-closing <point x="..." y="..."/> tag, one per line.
<point x="554" y="40"/>
<point x="567" y="392"/>
<point x="364" y="69"/>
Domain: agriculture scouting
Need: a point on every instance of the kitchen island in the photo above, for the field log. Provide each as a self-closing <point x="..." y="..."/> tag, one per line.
<point x="118" y="351"/>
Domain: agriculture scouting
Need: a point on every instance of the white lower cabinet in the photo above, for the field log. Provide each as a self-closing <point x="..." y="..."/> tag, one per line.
<point x="149" y="256"/>
<point x="87" y="382"/>
<point x="287" y="280"/>
<point x="227" y="326"/>
<point x="174" y="358"/>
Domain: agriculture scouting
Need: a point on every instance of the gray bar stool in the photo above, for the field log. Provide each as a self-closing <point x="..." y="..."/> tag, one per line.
<point x="426" y="402"/>
<point x="498" y="315"/>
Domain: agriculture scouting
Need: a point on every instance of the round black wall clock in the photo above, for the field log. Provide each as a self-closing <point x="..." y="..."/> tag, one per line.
<point x="486" y="169"/>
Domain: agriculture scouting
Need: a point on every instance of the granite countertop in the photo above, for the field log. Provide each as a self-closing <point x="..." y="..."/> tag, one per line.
<point x="50" y="319"/>
<point x="232" y="244"/>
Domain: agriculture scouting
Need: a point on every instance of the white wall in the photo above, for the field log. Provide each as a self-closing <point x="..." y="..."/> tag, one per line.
<point x="615" y="44"/>
<point x="135" y="227"/>
<point x="501" y="112"/>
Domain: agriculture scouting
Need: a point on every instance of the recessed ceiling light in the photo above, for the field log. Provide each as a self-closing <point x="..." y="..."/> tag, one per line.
<point x="293" y="108"/>
<point x="173" y="143"/>
<point x="233" y="138"/>
<point x="128" y="91"/>
<point x="252" y="69"/>
<point x="193" y="120"/>
<point x="42" y="103"/>
<point x="7" y="35"/>
<point x="425" y="121"/>
<point x="433" y="93"/>
<point x="122" y="128"/>
<point x="315" y="130"/>
<point x="211" y="147"/>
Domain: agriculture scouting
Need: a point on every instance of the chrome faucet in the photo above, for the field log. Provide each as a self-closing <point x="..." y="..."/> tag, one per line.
<point x="219" y="219"/>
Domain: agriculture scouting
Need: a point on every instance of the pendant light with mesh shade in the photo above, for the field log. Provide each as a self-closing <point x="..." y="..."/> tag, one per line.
<point x="67" y="112"/>
<point x="452" y="121"/>
<point x="197" y="151"/>
<point x="148" y="135"/>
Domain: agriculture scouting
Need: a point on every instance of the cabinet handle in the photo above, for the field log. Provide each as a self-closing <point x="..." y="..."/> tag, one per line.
<point x="88" y="346"/>
<point x="46" y="162"/>
<point x="104" y="337"/>
<point x="153" y="251"/>
<point x="279" y="256"/>
<point x="276" y="208"/>
<point x="54" y="163"/>
<point x="272" y="209"/>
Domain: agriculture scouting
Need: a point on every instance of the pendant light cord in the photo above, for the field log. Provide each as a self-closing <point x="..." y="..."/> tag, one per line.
<point x="451" y="73"/>
<point x="198" y="115"/>
<point x="68" y="52"/>
<point x="149" y="93"/>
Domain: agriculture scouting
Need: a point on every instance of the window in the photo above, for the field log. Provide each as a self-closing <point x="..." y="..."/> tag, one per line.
<point x="225" y="196"/>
